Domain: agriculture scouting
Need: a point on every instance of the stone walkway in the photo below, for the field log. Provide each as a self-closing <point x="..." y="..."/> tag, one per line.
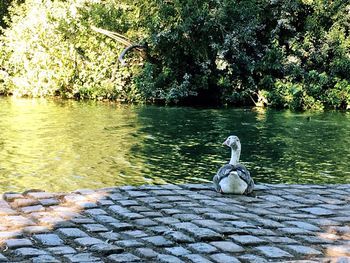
<point x="178" y="223"/>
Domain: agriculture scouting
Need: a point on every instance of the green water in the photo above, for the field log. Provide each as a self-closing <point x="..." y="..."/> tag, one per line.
<point x="68" y="145"/>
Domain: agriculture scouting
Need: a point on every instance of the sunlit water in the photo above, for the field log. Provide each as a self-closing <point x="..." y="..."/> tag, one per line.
<point x="67" y="145"/>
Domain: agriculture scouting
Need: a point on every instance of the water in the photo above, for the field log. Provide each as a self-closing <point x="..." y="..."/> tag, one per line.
<point x="68" y="145"/>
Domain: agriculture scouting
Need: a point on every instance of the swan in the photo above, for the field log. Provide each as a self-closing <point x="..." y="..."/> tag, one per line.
<point x="233" y="178"/>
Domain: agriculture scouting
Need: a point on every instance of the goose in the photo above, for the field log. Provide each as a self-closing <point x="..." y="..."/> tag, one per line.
<point x="233" y="178"/>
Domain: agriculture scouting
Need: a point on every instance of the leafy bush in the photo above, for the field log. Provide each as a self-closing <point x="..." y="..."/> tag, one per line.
<point x="50" y="49"/>
<point x="290" y="53"/>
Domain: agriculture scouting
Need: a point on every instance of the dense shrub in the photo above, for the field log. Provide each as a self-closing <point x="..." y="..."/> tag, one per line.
<point x="283" y="53"/>
<point x="50" y="49"/>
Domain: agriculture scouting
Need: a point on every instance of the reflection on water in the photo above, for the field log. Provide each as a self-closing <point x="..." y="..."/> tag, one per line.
<point x="66" y="145"/>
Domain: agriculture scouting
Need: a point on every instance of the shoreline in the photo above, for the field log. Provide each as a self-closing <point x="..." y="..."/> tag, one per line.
<point x="177" y="223"/>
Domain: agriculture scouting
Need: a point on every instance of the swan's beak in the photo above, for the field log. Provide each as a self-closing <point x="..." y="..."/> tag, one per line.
<point x="225" y="143"/>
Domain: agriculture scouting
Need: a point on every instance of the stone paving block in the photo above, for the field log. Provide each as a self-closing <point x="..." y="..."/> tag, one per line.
<point x="178" y="251"/>
<point x="49" y="239"/>
<point x="303" y="250"/>
<point x="272" y="198"/>
<point x="162" y="192"/>
<point x="18" y="203"/>
<point x="51" y="221"/>
<point x="313" y="239"/>
<point x="250" y="258"/>
<point x="295" y="231"/>
<point x="139" y="208"/>
<point x="135" y="233"/>
<point x="82" y="220"/>
<point x="179" y="237"/>
<point x="4" y="211"/>
<point x="160" y="230"/>
<point x="18" y="221"/>
<point x="129" y="243"/>
<point x="45" y="259"/>
<point x="40" y="195"/>
<point x="3" y="258"/>
<point x="303" y="225"/>
<point x="145" y="222"/>
<point x="85" y="205"/>
<point x="95" y="228"/>
<point x="88" y="241"/>
<point x="338" y="251"/>
<point x="317" y="211"/>
<point x="126" y="203"/>
<point x="137" y="194"/>
<point x="203" y="210"/>
<point x="187" y="217"/>
<point x="227" y="246"/>
<point x="187" y="226"/>
<point x="121" y="226"/>
<point x="126" y="257"/>
<point x="260" y="232"/>
<point x="171" y="187"/>
<point x="196" y="258"/>
<point x="16" y="243"/>
<point x="71" y="232"/>
<point x="131" y="216"/>
<point x="116" y="197"/>
<point x="10" y="234"/>
<point x="146" y="253"/>
<point x="174" y="198"/>
<point x="202" y="248"/>
<point x="268" y="223"/>
<point x="169" y="259"/>
<point x="149" y="200"/>
<point x="221" y="216"/>
<point x="281" y="240"/>
<point x="67" y="215"/>
<point x="241" y="224"/>
<point x="95" y="212"/>
<point x="205" y="234"/>
<point x="105" y="202"/>
<point x="172" y="211"/>
<point x="167" y="220"/>
<point x="224" y="258"/>
<point x="12" y="196"/>
<point x="106" y="219"/>
<point x="273" y="252"/>
<point x="61" y="250"/>
<point x="159" y="206"/>
<point x="158" y="241"/>
<point x="82" y="257"/>
<point x="29" y="252"/>
<point x="322" y="222"/>
<point x="48" y="202"/>
<point x="151" y="214"/>
<point x="247" y="239"/>
<point x="106" y="249"/>
<point x="110" y="236"/>
<point x="35" y="229"/>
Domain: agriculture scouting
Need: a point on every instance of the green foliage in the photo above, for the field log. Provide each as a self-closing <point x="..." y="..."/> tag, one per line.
<point x="50" y="49"/>
<point x="290" y="54"/>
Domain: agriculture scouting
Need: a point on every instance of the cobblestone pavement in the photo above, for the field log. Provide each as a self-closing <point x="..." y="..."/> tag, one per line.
<point x="177" y="223"/>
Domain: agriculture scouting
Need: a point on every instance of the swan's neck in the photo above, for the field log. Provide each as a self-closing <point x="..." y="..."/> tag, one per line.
<point x="235" y="154"/>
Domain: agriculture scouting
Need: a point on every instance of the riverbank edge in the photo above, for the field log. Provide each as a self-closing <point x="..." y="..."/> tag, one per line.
<point x="177" y="223"/>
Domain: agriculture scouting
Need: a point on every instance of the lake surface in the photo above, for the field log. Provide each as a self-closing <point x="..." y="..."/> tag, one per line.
<point x="69" y="145"/>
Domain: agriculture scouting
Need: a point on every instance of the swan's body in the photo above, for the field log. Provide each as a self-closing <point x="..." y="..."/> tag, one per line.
<point x="233" y="178"/>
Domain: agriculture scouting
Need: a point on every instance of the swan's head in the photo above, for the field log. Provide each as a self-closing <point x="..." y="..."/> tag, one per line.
<point x="233" y="142"/>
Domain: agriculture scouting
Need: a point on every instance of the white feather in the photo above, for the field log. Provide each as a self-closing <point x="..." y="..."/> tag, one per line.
<point x="233" y="184"/>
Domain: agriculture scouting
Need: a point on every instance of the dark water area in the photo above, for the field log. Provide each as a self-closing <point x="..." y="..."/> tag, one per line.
<point x="69" y="145"/>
